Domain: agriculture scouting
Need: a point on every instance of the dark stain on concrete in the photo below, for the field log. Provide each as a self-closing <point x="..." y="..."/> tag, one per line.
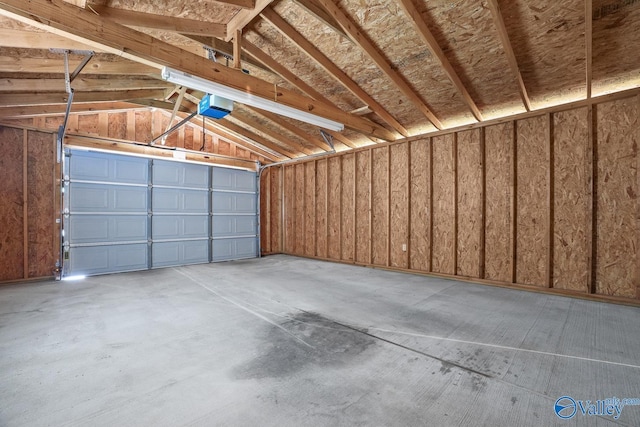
<point x="281" y="355"/>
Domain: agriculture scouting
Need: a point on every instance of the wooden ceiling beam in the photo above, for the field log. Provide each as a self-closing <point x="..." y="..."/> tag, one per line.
<point x="11" y="64"/>
<point x="332" y="69"/>
<point x="161" y="22"/>
<point x="60" y="109"/>
<point x="23" y="99"/>
<point x="25" y="39"/>
<point x="321" y="15"/>
<point x="245" y="4"/>
<point x="212" y="127"/>
<point x="361" y="40"/>
<point x="588" y="35"/>
<point x="80" y="84"/>
<point x="423" y="30"/>
<point x="82" y="25"/>
<point x="508" y="49"/>
<point x="291" y="128"/>
<point x="244" y="17"/>
<point x="248" y="121"/>
<point x="232" y="127"/>
<point x="294" y="80"/>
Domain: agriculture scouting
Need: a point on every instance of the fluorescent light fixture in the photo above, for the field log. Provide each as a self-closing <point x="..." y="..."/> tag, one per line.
<point x="70" y="278"/>
<point x="197" y="83"/>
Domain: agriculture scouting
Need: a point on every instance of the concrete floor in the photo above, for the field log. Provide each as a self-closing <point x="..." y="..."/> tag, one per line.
<point x="284" y="341"/>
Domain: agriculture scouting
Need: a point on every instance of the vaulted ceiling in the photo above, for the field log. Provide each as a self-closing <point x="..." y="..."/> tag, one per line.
<point x="387" y="69"/>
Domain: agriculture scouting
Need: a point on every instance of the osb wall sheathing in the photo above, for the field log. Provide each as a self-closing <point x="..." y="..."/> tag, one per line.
<point x="310" y="208"/>
<point x="363" y="208"/>
<point x="420" y="221"/>
<point x="536" y="178"/>
<point x="572" y="175"/>
<point x="348" y="202"/>
<point x="334" y="177"/>
<point x="469" y="203"/>
<point x="321" y="208"/>
<point x="399" y="205"/>
<point x="444" y="239"/>
<point x="617" y="188"/>
<point x="30" y="168"/>
<point x="499" y="145"/>
<point x="380" y="213"/>
<point x="290" y="190"/>
<point x="300" y="208"/>
<point x="533" y="209"/>
<point x="12" y="230"/>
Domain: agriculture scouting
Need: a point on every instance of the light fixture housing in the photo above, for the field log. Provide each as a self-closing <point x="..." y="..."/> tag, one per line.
<point x="203" y="85"/>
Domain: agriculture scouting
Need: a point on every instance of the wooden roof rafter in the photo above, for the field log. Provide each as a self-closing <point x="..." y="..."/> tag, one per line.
<point x="104" y="35"/>
<point x="161" y="22"/>
<point x="283" y="72"/>
<point x="508" y="49"/>
<point x="80" y="84"/>
<point x="423" y="30"/>
<point x="361" y="40"/>
<point x="117" y="66"/>
<point x="245" y="133"/>
<point x="333" y="70"/>
<point x="250" y="122"/>
<point x="244" y="17"/>
<point x="291" y="128"/>
<point x="61" y="109"/>
<point x="315" y="9"/>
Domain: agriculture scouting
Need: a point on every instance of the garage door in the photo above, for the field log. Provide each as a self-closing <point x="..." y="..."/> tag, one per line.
<point x="126" y="213"/>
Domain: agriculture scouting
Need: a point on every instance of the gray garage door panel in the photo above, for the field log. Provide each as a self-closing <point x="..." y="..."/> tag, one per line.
<point x="166" y="254"/>
<point x="180" y="174"/>
<point x="100" y="198"/>
<point x="234" y="203"/>
<point x="86" y="166"/>
<point x="176" y="227"/>
<point x="228" y="249"/>
<point x="90" y="260"/>
<point x="108" y="228"/>
<point x="175" y="200"/>
<point x="234" y="180"/>
<point x="229" y="225"/>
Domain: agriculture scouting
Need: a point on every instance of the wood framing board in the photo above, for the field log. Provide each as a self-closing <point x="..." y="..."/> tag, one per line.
<point x="299" y="209"/>
<point x="321" y="208"/>
<point x="617" y="230"/>
<point x="420" y="220"/>
<point x="572" y="202"/>
<point x="499" y="155"/>
<point x="469" y="203"/>
<point x="532" y="202"/>
<point x="117" y="125"/>
<point x="143" y="126"/>
<point x="363" y="196"/>
<point x="399" y="202"/>
<point x="12" y="230"/>
<point x="275" y="199"/>
<point x="443" y="241"/>
<point x="334" y="201"/>
<point x="289" y="209"/>
<point x="348" y="177"/>
<point x="310" y="209"/>
<point x="380" y="214"/>
<point x="265" y="213"/>
<point x="41" y="217"/>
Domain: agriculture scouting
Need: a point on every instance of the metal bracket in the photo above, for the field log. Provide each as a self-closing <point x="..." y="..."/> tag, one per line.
<point x="173" y="128"/>
<point x="68" y="78"/>
<point x="328" y="138"/>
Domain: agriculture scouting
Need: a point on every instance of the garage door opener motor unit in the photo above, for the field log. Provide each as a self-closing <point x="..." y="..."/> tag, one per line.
<point x="214" y="106"/>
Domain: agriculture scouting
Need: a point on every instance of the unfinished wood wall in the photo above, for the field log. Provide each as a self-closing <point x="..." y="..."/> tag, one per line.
<point x="28" y="230"/>
<point x="549" y="201"/>
<point x="142" y="126"/>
